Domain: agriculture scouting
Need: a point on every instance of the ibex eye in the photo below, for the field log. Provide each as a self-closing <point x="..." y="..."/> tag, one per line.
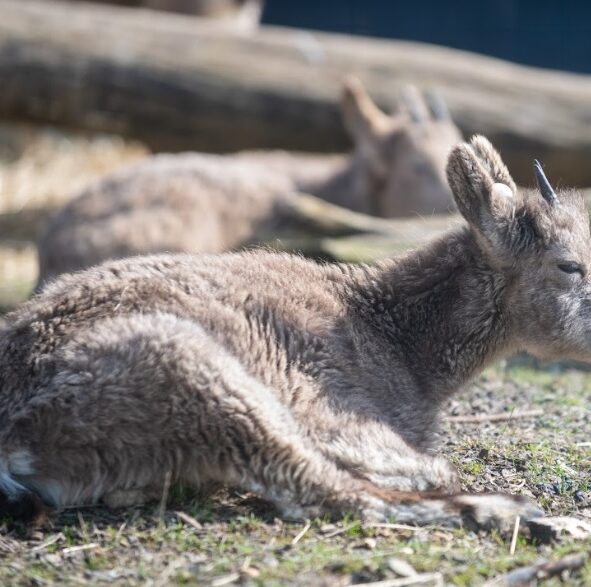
<point x="571" y="268"/>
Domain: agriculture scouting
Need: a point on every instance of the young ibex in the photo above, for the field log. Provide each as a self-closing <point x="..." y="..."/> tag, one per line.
<point x="315" y="386"/>
<point x="206" y="203"/>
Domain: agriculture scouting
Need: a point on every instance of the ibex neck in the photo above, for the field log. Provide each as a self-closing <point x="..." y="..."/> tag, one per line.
<point x="344" y="183"/>
<point x="442" y="307"/>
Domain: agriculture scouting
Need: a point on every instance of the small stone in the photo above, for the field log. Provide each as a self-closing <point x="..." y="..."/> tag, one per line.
<point x="370" y="543"/>
<point x="252" y="572"/>
<point x="326" y="528"/>
<point x="400" y="567"/>
<point x="54" y="560"/>
<point x="483" y="454"/>
<point x="579" y="495"/>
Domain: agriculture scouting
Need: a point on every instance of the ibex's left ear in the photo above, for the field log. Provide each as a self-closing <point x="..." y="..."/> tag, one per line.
<point x="363" y="119"/>
<point x="483" y="189"/>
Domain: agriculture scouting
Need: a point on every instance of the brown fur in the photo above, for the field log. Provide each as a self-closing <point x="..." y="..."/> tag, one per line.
<point x="316" y="386"/>
<point x="206" y="203"/>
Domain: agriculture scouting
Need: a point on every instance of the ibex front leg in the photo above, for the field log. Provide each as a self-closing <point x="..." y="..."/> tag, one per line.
<point x="372" y="450"/>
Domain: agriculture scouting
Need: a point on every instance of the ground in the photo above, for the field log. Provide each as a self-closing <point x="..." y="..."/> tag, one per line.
<point x="236" y="539"/>
<point x="233" y="538"/>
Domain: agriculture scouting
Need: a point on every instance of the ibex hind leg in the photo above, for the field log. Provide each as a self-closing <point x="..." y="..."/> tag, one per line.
<point x="140" y="397"/>
<point x="379" y="454"/>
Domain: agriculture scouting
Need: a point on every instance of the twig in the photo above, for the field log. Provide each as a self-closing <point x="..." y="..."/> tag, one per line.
<point x="79" y="548"/>
<point x="373" y="525"/>
<point x="83" y="527"/>
<point x="494" y="417"/>
<point x="395" y="527"/>
<point x="189" y="520"/>
<point x="537" y="572"/>
<point x="225" y="580"/>
<point x="164" y="498"/>
<point x="514" y="537"/>
<point x="340" y="531"/>
<point x="435" y="579"/>
<point x="59" y="536"/>
<point x="120" y="532"/>
<point x="301" y="534"/>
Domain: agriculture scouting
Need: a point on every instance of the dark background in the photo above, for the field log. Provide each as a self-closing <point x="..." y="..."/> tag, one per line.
<point x="542" y="33"/>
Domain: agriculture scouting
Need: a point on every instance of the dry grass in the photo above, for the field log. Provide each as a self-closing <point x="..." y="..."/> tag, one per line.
<point x="44" y="167"/>
<point x="40" y="168"/>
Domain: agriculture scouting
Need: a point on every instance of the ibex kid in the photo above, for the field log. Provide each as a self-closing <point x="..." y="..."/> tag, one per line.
<point x="315" y="386"/>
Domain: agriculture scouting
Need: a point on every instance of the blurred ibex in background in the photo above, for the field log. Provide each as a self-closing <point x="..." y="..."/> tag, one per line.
<point x="205" y="203"/>
<point x="397" y="167"/>
<point x="241" y="14"/>
<point x="315" y="386"/>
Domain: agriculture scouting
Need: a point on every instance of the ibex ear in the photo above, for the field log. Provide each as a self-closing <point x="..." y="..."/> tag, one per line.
<point x="483" y="189"/>
<point x="413" y="104"/>
<point x="363" y="119"/>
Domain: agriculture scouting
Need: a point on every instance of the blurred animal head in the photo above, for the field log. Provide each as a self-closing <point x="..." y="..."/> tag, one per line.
<point x="539" y="244"/>
<point x="401" y="158"/>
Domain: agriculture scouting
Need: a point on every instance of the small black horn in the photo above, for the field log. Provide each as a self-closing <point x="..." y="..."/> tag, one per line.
<point x="544" y="185"/>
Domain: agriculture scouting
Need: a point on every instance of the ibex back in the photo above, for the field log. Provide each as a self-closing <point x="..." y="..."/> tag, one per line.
<point x="315" y="386"/>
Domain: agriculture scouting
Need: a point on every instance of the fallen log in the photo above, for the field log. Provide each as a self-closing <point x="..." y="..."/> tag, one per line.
<point x="175" y="83"/>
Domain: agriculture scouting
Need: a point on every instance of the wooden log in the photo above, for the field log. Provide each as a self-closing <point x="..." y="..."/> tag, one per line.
<point x="177" y="84"/>
<point x="244" y="14"/>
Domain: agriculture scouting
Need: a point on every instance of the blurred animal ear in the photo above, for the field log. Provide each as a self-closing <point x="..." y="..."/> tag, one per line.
<point x="362" y="118"/>
<point x="437" y="106"/>
<point x="413" y="104"/>
<point x="483" y="189"/>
